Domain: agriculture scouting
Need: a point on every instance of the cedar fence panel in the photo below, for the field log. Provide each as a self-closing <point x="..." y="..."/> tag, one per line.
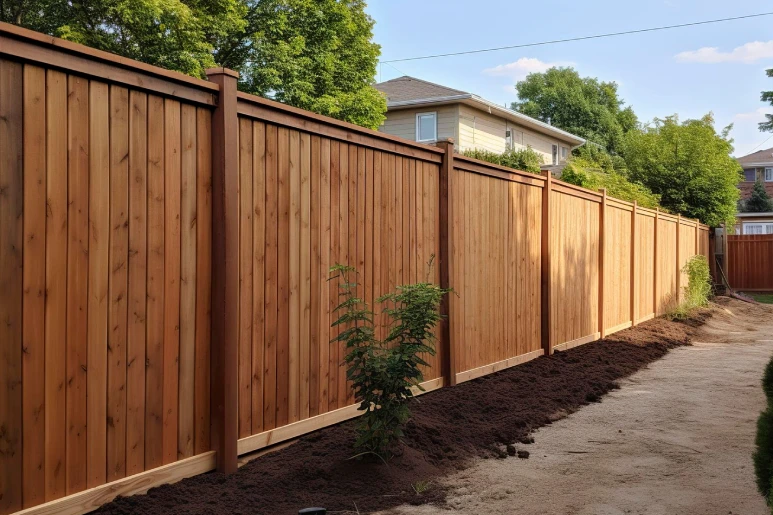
<point x="750" y="262"/>
<point x="309" y="200"/>
<point x="164" y="252"/>
<point x="496" y="234"/>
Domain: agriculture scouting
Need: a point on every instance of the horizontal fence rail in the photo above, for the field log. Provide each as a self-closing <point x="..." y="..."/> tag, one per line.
<point x="164" y="252"/>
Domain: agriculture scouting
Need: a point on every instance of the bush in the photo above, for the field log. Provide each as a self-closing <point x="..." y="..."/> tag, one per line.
<point x="595" y="175"/>
<point x="383" y="373"/>
<point x="525" y="159"/>
<point x="698" y="289"/>
<point x="763" y="455"/>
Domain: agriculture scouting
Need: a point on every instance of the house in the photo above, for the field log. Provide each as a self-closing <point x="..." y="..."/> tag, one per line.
<point x="757" y="166"/>
<point x="422" y="111"/>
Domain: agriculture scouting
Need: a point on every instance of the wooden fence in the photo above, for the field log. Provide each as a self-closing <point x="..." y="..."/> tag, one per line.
<point x="164" y="253"/>
<point x="749" y="262"/>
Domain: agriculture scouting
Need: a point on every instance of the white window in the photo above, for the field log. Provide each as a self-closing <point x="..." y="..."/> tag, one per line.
<point x="426" y="127"/>
<point x="758" y="228"/>
<point x="768" y="174"/>
<point x="564" y="152"/>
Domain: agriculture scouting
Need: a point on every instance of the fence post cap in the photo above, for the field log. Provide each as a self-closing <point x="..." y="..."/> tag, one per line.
<point x="222" y="71"/>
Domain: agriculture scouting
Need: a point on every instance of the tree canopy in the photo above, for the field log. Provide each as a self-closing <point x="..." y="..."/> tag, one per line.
<point x="314" y="54"/>
<point x="767" y="96"/>
<point x="583" y="106"/>
<point x="689" y="165"/>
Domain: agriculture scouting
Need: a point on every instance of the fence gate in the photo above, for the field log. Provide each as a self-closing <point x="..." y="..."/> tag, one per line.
<point x="749" y="262"/>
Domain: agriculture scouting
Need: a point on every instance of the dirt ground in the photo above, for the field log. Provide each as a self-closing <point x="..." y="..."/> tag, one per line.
<point x="486" y="423"/>
<point x="677" y="437"/>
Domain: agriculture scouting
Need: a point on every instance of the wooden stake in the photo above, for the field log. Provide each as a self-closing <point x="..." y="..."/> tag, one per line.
<point x="656" y="273"/>
<point x="602" y="252"/>
<point x="634" y="298"/>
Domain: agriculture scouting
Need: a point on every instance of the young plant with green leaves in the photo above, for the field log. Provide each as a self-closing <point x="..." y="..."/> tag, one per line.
<point x="385" y="372"/>
<point x="524" y="159"/>
<point x="698" y="289"/>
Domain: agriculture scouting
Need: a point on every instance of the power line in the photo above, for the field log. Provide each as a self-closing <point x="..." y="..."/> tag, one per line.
<point x="758" y="146"/>
<point x="582" y="38"/>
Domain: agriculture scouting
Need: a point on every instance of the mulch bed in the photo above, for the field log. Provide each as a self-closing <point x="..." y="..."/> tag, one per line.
<point x="449" y="428"/>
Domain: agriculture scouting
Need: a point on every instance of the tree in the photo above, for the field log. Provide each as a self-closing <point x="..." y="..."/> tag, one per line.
<point x="314" y="54"/>
<point x="759" y="201"/>
<point x="767" y="96"/>
<point x="580" y="105"/>
<point x="689" y="165"/>
<point x="594" y="176"/>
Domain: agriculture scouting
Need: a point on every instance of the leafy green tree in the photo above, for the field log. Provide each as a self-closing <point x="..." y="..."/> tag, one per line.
<point x="689" y="165"/>
<point x="314" y="54"/>
<point x="581" y="105"/>
<point x="759" y="201"/>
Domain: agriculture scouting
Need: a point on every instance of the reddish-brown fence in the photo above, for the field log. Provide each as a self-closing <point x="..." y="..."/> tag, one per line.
<point x="164" y="253"/>
<point x="749" y="262"/>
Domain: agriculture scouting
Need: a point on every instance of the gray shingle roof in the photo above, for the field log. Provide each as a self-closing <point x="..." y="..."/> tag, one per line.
<point x="761" y="156"/>
<point x="407" y="88"/>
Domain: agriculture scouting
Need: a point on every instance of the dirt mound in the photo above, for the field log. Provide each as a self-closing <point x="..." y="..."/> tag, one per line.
<point x="449" y="427"/>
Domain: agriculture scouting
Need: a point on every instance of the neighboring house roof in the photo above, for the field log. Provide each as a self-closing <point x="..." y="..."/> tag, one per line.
<point x="759" y="158"/>
<point x="406" y="92"/>
<point x="754" y="215"/>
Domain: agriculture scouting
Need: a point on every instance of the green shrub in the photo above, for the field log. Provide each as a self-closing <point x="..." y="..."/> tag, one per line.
<point x="525" y="159"/>
<point x="698" y="289"/>
<point x="383" y="373"/>
<point x="763" y="455"/>
<point x="596" y="175"/>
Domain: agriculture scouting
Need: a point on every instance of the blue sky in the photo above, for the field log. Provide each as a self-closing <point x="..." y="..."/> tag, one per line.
<point x="689" y="71"/>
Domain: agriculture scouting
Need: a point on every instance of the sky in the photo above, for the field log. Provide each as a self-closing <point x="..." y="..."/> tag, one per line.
<point x="718" y="68"/>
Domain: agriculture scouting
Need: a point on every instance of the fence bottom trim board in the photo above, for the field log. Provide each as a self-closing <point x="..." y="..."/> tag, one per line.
<point x="302" y="427"/>
<point x="496" y="367"/>
<point x="576" y="343"/>
<point x="619" y="327"/>
<point x="91" y="499"/>
<point x="645" y="318"/>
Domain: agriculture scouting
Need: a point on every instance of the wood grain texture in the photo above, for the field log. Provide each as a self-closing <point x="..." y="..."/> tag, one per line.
<point x="750" y="262"/>
<point x="34" y="287"/>
<point x="11" y="282"/>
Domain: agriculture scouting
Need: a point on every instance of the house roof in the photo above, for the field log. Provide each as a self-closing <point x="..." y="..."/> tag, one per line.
<point x="761" y="157"/>
<point x="406" y="92"/>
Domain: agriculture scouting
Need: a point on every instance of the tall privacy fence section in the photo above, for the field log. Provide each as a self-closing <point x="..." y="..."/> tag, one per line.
<point x="164" y="252"/>
<point x="749" y="262"/>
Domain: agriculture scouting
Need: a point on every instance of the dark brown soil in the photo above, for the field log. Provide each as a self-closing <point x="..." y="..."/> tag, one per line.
<point x="450" y="426"/>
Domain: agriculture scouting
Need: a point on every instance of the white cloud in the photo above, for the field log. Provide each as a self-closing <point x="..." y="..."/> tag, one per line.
<point x="756" y="116"/>
<point x="748" y="53"/>
<point x="519" y="69"/>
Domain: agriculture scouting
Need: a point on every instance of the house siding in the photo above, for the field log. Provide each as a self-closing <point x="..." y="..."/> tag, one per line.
<point x="402" y="122"/>
<point x="747" y="185"/>
<point x="481" y="130"/>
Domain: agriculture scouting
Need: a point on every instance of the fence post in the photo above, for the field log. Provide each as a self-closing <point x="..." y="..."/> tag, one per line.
<point x="225" y="279"/>
<point x="678" y="260"/>
<point x="656" y="271"/>
<point x="634" y="303"/>
<point x="602" y="252"/>
<point x="448" y="358"/>
<point x="545" y="281"/>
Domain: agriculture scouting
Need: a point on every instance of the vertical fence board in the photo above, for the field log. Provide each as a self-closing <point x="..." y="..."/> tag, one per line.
<point x="154" y="364"/>
<point x="188" y="280"/>
<point x="325" y="253"/>
<point x="118" y="283"/>
<point x="304" y="275"/>
<point x="271" y="281"/>
<point x="258" y="267"/>
<point x="137" y="286"/>
<point x="172" y="169"/>
<point x="283" y="280"/>
<point x="334" y="259"/>
<point x="11" y="283"/>
<point x="56" y="283"/>
<point x="201" y="415"/>
<point x="34" y="285"/>
<point x="245" y="276"/>
<point x="77" y="280"/>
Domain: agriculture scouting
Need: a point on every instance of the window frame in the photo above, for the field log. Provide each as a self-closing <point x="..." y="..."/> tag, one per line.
<point x="765" y="227"/>
<point x="418" y="126"/>
<point x="555" y="153"/>
<point x="765" y="176"/>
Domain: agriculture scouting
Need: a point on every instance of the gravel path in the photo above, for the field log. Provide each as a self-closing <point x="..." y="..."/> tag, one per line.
<point x="677" y="437"/>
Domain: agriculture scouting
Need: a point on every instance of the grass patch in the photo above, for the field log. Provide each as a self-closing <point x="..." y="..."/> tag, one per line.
<point x="764" y="298"/>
